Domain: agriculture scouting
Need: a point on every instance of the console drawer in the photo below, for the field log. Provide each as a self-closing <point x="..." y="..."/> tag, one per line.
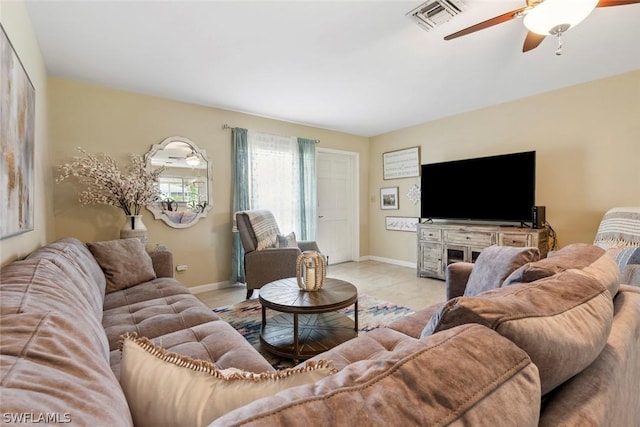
<point x="430" y="235"/>
<point x="514" y="239"/>
<point x="472" y="238"/>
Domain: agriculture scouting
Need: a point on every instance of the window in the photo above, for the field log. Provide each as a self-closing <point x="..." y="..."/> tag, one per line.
<point x="276" y="173"/>
<point x="274" y="181"/>
<point x="186" y="191"/>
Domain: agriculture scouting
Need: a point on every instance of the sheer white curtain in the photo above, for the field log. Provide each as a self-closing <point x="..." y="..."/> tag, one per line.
<point x="274" y="181"/>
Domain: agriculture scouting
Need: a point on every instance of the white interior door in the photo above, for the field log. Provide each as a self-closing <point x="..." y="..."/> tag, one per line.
<point x="338" y="226"/>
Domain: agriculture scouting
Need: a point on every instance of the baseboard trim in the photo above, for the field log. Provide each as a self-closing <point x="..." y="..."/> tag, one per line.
<point x="213" y="287"/>
<point x="389" y="261"/>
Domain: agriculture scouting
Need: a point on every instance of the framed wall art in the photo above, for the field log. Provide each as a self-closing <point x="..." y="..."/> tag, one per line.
<point x="389" y="198"/>
<point x="17" y="123"/>
<point x="401" y="163"/>
<point x="401" y="223"/>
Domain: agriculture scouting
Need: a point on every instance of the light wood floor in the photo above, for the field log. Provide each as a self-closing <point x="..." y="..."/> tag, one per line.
<point x="380" y="280"/>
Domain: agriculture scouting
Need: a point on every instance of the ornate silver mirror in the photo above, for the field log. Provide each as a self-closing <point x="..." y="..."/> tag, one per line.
<point x="185" y="182"/>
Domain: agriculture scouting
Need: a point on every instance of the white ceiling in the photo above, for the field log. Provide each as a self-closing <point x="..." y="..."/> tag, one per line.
<point x="360" y="67"/>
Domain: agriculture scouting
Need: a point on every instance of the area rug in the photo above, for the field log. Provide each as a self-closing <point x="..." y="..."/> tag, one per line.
<point x="246" y="318"/>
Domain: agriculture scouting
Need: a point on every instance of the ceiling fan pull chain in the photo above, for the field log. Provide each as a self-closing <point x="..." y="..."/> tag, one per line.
<point x="559" y="49"/>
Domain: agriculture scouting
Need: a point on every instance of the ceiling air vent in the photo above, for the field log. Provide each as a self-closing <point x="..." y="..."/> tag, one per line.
<point x="432" y="13"/>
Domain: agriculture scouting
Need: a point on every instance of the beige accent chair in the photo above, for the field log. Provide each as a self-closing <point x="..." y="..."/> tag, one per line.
<point x="262" y="266"/>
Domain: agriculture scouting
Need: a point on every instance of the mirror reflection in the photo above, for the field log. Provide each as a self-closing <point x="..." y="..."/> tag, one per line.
<point x="184" y="183"/>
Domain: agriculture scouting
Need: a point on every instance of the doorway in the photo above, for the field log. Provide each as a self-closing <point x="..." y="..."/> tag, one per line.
<point x="338" y="231"/>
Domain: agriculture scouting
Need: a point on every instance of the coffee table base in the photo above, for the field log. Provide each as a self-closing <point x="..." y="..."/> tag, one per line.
<point x="315" y="333"/>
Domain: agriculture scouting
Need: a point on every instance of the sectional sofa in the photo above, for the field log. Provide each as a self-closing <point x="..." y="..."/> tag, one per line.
<point x="63" y="310"/>
<point x="101" y="334"/>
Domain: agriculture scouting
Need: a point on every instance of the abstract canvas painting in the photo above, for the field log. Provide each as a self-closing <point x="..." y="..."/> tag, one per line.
<point x="17" y="122"/>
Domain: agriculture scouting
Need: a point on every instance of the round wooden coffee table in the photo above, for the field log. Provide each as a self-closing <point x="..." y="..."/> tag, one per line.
<point x="309" y="322"/>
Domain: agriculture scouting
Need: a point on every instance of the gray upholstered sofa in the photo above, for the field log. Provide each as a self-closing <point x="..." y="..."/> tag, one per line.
<point x="559" y="346"/>
<point x="61" y="317"/>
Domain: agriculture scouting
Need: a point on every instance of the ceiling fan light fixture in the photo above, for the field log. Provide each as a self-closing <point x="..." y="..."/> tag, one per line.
<point x="557" y="16"/>
<point x="192" y="160"/>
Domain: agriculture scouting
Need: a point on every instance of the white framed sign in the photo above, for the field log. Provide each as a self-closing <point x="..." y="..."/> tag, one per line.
<point x="401" y="223"/>
<point x="401" y="163"/>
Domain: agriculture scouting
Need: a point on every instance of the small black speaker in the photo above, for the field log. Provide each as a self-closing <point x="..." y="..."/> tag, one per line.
<point x="538" y="217"/>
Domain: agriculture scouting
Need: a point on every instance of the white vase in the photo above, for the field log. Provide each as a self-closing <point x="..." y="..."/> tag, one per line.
<point x="134" y="228"/>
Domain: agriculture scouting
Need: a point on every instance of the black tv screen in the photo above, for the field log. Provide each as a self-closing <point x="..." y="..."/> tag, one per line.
<point x="495" y="188"/>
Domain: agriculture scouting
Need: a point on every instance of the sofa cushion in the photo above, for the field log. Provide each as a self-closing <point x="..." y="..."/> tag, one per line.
<point x="77" y="262"/>
<point x="417" y="384"/>
<point x="162" y="287"/>
<point x="48" y="366"/>
<point x="562" y="321"/>
<point x="413" y="324"/>
<point x="125" y="262"/>
<point x="379" y="343"/>
<point x="496" y="263"/>
<point x="40" y="286"/>
<point x="216" y="341"/>
<point x="585" y="257"/>
<point x="606" y="392"/>
<point x="155" y="317"/>
<point x="169" y="389"/>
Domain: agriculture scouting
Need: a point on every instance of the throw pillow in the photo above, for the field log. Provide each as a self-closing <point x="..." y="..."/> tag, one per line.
<point x="631" y="275"/>
<point x="628" y="260"/>
<point x="288" y="241"/>
<point x="495" y="264"/>
<point x="125" y="263"/>
<point x="168" y="389"/>
<point x="587" y="258"/>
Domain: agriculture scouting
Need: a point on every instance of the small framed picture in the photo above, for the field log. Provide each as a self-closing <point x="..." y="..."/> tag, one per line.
<point x="389" y="198"/>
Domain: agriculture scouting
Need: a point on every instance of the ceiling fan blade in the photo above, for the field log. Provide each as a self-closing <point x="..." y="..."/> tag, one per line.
<point x="532" y="41"/>
<point x="486" y="24"/>
<point x="607" y="3"/>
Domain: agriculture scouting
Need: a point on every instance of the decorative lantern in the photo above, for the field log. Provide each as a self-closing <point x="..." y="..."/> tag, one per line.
<point x="310" y="271"/>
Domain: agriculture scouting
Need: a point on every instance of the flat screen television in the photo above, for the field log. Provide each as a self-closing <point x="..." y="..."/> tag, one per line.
<point x="495" y="188"/>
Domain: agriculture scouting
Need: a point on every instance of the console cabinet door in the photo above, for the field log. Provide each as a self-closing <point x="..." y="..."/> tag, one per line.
<point x="430" y="260"/>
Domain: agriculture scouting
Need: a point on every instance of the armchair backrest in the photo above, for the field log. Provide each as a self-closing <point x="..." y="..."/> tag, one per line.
<point x="620" y="227"/>
<point x="258" y="229"/>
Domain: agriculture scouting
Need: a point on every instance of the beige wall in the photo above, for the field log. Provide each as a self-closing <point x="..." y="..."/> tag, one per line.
<point x="17" y="25"/>
<point x="118" y="123"/>
<point x="587" y="140"/>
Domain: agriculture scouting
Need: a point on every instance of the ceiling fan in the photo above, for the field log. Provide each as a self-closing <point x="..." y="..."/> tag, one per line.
<point x="545" y="17"/>
<point x="192" y="159"/>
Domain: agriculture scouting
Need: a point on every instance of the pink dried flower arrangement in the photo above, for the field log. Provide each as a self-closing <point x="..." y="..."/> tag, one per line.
<point x="106" y="184"/>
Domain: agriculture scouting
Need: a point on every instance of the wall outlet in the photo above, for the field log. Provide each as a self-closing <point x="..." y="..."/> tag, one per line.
<point x="182" y="267"/>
